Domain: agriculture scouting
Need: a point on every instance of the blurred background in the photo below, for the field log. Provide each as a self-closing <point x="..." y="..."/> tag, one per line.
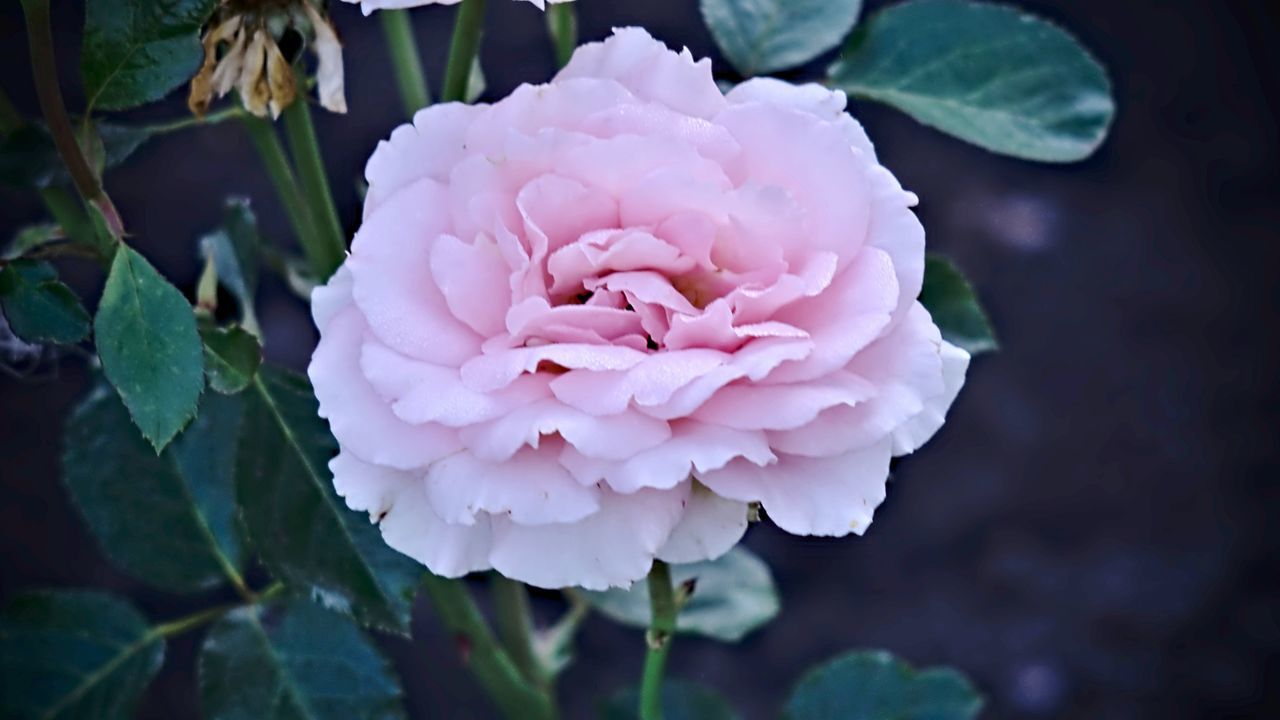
<point x="1093" y="534"/>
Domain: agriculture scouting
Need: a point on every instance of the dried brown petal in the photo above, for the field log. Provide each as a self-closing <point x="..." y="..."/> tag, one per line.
<point x="255" y="92"/>
<point x="280" y="79"/>
<point x="329" y="72"/>
<point x="202" y="84"/>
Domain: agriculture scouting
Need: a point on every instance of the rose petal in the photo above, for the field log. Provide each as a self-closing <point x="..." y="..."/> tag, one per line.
<point x="532" y="488"/>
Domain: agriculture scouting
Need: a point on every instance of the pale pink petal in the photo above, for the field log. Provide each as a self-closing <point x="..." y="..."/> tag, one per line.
<point x="709" y="528"/>
<point x="843" y="319"/>
<point x="810" y="496"/>
<point x="448" y="550"/>
<point x="429" y="147"/>
<point x="782" y="407"/>
<point x="497" y="370"/>
<point x="331" y="298"/>
<point x="367" y="487"/>
<point x="611" y="437"/>
<point x="811" y="98"/>
<point x="650" y="71"/>
<point x="421" y="393"/>
<point x="693" y="445"/>
<point x="359" y="418"/>
<point x="600" y="253"/>
<point x="909" y="436"/>
<point x="531" y="488"/>
<point x="612" y="548"/>
<point x="651" y="382"/>
<point x="391" y="264"/>
<point x="467" y="274"/>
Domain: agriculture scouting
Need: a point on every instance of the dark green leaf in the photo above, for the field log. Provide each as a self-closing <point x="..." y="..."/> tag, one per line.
<point x="301" y="528"/>
<point x="38" y="307"/>
<point x="167" y="520"/>
<point x="146" y="336"/>
<point x="681" y="700"/>
<point x="28" y="158"/>
<point x="296" y="662"/>
<point x="733" y="595"/>
<point x="988" y="74"/>
<point x="73" y="654"/>
<point x="955" y="307"/>
<point x="761" y="36"/>
<point x="234" y="249"/>
<point x="874" y="685"/>
<point x="137" y="51"/>
<point x="231" y="357"/>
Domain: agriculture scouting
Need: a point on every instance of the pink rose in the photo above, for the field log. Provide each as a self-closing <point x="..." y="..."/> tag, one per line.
<point x="368" y="6"/>
<point x="585" y="326"/>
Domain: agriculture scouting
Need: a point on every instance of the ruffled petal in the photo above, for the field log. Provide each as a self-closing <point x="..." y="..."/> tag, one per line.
<point x="811" y="496"/>
<point x="531" y="487"/>
<point x="709" y="528"/>
<point x="611" y="548"/>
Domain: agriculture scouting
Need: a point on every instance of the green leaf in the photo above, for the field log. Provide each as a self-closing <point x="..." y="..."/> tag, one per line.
<point x="146" y="336"/>
<point x="74" y="654"/>
<point x="234" y="249"/>
<point x="39" y="308"/>
<point x="733" y="595"/>
<point x="231" y="357"/>
<point x="137" y="51"/>
<point x="681" y="700"/>
<point x="988" y="74"/>
<point x="762" y="36"/>
<point x="30" y="237"/>
<point x="296" y="662"/>
<point x="168" y="520"/>
<point x="28" y="158"/>
<point x="874" y="685"/>
<point x="304" y="532"/>
<point x="955" y="307"/>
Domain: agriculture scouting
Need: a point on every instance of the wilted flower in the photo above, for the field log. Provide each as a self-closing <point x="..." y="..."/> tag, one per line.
<point x="242" y="52"/>
<point x="591" y="324"/>
<point x="368" y="6"/>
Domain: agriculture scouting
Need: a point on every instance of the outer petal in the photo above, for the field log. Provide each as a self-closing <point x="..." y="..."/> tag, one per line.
<point x="811" y="496"/>
<point x="918" y="430"/>
<point x="359" y="418"/>
<point x="709" y="528"/>
<point x="391" y="263"/>
<point x="429" y="147"/>
<point x="532" y="488"/>
<point x="649" y="70"/>
<point x="612" y="548"/>
<point x="331" y="298"/>
<point x="397" y="499"/>
<point x="811" y="98"/>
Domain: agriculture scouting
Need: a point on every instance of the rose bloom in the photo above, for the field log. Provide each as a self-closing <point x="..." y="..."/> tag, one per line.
<point x="368" y="6"/>
<point x="586" y="326"/>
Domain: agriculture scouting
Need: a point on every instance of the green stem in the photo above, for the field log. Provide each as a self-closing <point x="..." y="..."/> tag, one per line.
<point x="562" y="23"/>
<point x="514" y="696"/>
<point x="75" y="224"/>
<point x="211" y="119"/>
<point x="515" y="627"/>
<point x="463" y="50"/>
<point x="263" y="135"/>
<point x="662" y="629"/>
<point x="328" y="246"/>
<point x="45" y="71"/>
<point x="406" y="62"/>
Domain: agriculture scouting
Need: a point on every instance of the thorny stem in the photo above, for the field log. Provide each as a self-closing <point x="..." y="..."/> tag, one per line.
<point x="405" y="60"/>
<point x="462" y="52"/>
<point x="45" y="71"/>
<point x="515" y="697"/>
<point x="662" y="629"/>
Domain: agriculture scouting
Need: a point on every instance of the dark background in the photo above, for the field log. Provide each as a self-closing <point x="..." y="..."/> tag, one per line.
<point x="1093" y="535"/>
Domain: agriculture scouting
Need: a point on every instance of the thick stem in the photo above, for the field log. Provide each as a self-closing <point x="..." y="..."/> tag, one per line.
<point x="515" y="627"/>
<point x="463" y="50"/>
<point x="562" y="23"/>
<point x="263" y="135"/>
<point x="405" y="60"/>
<point x="327" y="248"/>
<point x="45" y="71"/>
<point x="513" y="695"/>
<point x="662" y="629"/>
